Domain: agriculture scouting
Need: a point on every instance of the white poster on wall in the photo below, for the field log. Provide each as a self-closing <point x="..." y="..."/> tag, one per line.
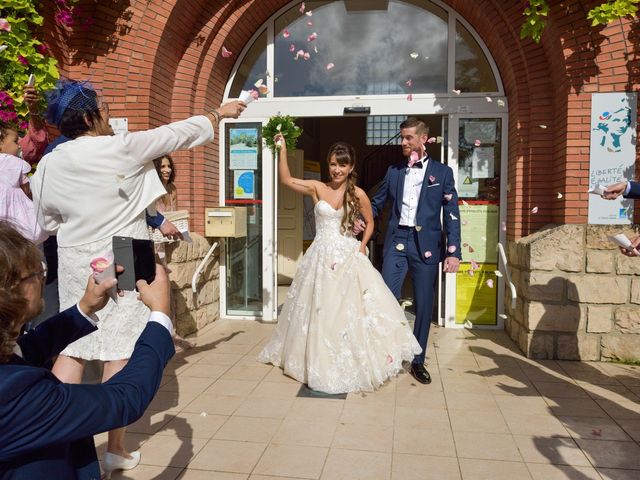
<point x="612" y="154"/>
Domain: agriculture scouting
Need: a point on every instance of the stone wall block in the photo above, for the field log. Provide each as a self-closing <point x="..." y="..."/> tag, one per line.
<point x="578" y="347"/>
<point x="539" y="345"/>
<point x="598" y="235"/>
<point x="181" y="274"/>
<point x="549" y="317"/>
<point x="635" y="290"/>
<point x="628" y="319"/>
<point x="599" y="261"/>
<point x="560" y="247"/>
<point x="597" y="289"/>
<point x="627" y="265"/>
<point x="598" y="318"/>
<point x="620" y="347"/>
<point x="543" y="286"/>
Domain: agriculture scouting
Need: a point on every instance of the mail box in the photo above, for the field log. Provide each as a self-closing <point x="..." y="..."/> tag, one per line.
<point x="226" y="222"/>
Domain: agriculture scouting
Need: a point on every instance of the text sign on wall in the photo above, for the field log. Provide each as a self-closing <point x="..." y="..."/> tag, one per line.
<point x="612" y="154"/>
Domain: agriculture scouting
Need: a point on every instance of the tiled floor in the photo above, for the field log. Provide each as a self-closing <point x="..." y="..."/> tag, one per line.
<point x="489" y="414"/>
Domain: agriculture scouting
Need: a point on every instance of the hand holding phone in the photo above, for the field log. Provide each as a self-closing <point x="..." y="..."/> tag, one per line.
<point x="138" y="259"/>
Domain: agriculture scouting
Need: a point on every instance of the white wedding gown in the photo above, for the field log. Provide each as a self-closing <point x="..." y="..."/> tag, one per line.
<point x="340" y="329"/>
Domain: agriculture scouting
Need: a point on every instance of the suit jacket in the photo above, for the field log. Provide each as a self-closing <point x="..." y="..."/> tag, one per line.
<point x="438" y="182"/>
<point x="47" y="427"/>
<point x="634" y="191"/>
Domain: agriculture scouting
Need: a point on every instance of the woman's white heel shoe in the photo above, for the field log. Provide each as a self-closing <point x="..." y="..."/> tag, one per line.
<point x="113" y="462"/>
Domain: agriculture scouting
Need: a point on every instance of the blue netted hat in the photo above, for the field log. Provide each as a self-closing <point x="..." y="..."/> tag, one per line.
<point x="69" y="94"/>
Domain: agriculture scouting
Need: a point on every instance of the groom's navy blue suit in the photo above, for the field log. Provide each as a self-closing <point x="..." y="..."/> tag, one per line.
<point x="422" y="247"/>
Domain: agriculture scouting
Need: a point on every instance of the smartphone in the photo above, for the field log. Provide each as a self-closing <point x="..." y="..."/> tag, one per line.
<point x="32" y="81"/>
<point x="138" y="259"/>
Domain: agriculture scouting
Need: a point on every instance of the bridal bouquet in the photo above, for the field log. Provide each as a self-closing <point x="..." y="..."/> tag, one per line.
<point x="284" y="124"/>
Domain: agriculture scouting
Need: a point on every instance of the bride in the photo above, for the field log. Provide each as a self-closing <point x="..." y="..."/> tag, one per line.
<point x="341" y="329"/>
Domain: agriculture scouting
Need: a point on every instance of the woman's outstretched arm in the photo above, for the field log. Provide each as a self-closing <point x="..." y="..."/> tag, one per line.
<point x="306" y="187"/>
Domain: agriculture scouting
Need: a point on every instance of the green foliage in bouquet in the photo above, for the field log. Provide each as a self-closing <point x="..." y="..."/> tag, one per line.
<point x="284" y="124"/>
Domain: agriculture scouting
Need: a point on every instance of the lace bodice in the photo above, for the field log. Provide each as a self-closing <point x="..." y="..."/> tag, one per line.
<point x="328" y="226"/>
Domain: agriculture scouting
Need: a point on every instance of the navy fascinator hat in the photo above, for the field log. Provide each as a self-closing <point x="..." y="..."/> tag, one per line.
<point x="69" y="94"/>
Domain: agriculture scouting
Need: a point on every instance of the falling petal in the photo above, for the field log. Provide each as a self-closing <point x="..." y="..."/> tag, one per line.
<point x="408" y="83"/>
<point x="258" y="83"/>
<point x="431" y="140"/>
<point x="315" y="48"/>
<point x="3" y="48"/>
<point x="477" y="143"/>
<point x="439" y="139"/>
<point x="534" y="210"/>
<point x="464" y="202"/>
<point x="457" y="92"/>
<point x="427" y="254"/>
<point x="310" y="23"/>
<point x="497" y="273"/>
<point x="410" y="97"/>
<point x="490" y="283"/>
<point x="597" y="432"/>
<point x="414" y="157"/>
<point x="414" y="55"/>
<point x="542" y="126"/>
<point x="559" y="196"/>
<point x="279" y="127"/>
<point x="452" y="249"/>
<point x="309" y="13"/>
<point x="418" y="228"/>
<point x="400" y="247"/>
<point x="503" y="226"/>
<point x="502" y="316"/>
<point x="299" y="53"/>
<point x="464" y="222"/>
<point x="312" y="37"/>
<point x="488" y="99"/>
<point x="453" y="217"/>
<point x="330" y="66"/>
<point x="203" y="414"/>
<point x="470" y="272"/>
<point x="302" y="7"/>
<point x="474" y="265"/>
<point x="292" y="48"/>
<point x="389" y="359"/>
<point x="226" y="53"/>
<point x="465" y="244"/>
<point x="471" y="249"/>
<point x="448" y="196"/>
<point x="286" y="34"/>
<point x="500" y="103"/>
<point x="307" y="56"/>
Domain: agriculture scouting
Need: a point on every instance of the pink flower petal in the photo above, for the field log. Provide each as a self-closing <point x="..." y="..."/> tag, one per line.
<point x="534" y="210"/>
<point x="309" y="13"/>
<point x="559" y="196"/>
<point x="490" y="283"/>
<point x="474" y="265"/>
<point x="408" y="83"/>
<point x="503" y="226"/>
<point x="471" y="249"/>
<point x="410" y="98"/>
<point x="292" y="48"/>
<point x="389" y="359"/>
<point x="488" y="99"/>
<point x="432" y="140"/>
<point x="448" y="197"/>
<point x="597" y="432"/>
<point x="312" y="37"/>
<point x="477" y="143"/>
<point x="286" y="34"/>
<point x="414" y="157"/>
<point x="427" y="254"/>
<point x="310" y="23"/>
<point x="330" y="66"/>
<point x="452" y="249"/>
<point x="470" y="272"/>
<point x="5" y="25"/>
<point x="255" y="94"/>
<point x="457" y="92"/>
<point x="302" y="7"/>
<point x="306" y="55"/>
<point x="226" y="53"/>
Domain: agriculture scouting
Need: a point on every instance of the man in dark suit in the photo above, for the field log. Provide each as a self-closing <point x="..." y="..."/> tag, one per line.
<point x="419" y="190"/>
<point x="47" y="427"/>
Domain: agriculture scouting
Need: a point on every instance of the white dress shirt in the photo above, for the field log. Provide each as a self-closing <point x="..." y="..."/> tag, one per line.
<point x="414" y="177"/>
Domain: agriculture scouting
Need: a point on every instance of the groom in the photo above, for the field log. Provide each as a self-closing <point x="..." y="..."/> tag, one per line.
<point x="419" y="189"/>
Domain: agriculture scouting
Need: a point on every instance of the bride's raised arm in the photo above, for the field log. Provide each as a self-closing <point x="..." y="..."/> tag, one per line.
<point x="306" y="187"/>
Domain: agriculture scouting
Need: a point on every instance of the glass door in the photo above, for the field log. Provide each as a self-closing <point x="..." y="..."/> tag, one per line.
<point x="246" y="180"/>
<point x="475" y="293"/>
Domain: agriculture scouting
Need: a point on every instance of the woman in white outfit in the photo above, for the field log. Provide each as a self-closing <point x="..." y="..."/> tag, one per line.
<point x="89" y="189"/>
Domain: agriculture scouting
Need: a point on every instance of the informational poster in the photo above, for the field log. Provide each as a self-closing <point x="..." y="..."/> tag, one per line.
<point x="612" y="154"/>
<point x="480" y="229"/>
<point x="243" y="184"/>
<point x="119" y="125"/>
<point x="476" y="295"/>
<point x="243" y="149"/>
<point x="482" y="162"/>
<point x="311" y="172"/>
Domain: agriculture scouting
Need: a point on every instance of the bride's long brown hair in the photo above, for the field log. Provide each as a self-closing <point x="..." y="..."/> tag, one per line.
<point x="346" y="155"/>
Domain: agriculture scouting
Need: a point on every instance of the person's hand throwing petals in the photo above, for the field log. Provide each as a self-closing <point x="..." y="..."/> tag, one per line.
<point x="635" y="243"/>
<point x="96" y="295"/>
<point x="232" y="109"/>
<point x="614" y="191"/>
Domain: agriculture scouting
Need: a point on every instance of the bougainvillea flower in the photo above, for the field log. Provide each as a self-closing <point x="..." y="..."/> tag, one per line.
<point x="22" y="60"/>
<point x="226" y="53"/>
<point x="24" y="125"/>
<point x="286" y="34"/>
<point x="312" y="37"/>
<point x="330" y="66"/>
<point x="5" y="25"/>
<point x="414" y="157"/>
<point x="42" y="49"/>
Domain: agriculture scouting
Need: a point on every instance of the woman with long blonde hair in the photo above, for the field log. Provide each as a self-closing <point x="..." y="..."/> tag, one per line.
<point x="340" y="329"/>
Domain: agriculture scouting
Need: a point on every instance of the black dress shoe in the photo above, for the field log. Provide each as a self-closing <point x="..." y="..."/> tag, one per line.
<point x="420" y="373"/>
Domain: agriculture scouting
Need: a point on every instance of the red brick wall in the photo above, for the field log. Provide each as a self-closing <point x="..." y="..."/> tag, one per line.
<point x="160" y="61"/>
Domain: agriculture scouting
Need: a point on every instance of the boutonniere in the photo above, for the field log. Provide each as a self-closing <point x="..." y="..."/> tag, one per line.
<point x="432" y="179"/>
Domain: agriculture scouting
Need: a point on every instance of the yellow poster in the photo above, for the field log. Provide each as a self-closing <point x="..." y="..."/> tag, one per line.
<point x="480" y="229"/>
<point x="476" y="295"/>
